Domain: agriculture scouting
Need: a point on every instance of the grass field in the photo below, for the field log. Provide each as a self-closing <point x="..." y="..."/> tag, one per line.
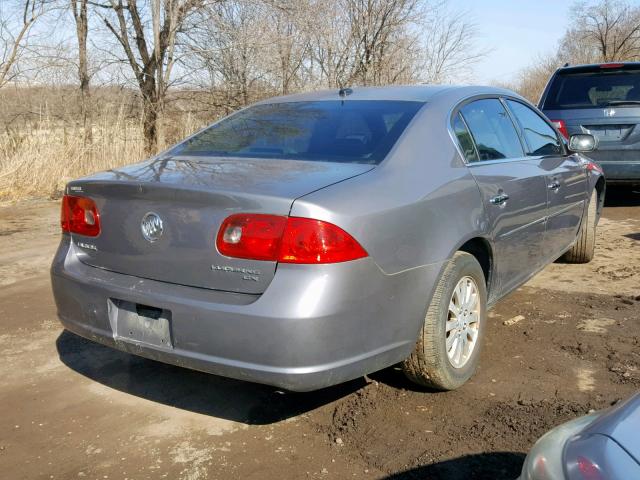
<point x="38" y="158"/>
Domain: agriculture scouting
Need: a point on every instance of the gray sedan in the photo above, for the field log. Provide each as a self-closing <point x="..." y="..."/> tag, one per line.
<point x="601" y="446"/>
<point x="311" y="239"/>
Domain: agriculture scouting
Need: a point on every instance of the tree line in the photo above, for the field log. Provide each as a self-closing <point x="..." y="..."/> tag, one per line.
<point x="599" y="31"/>
<point x="215" y="56"/>
<point x="237" y="51"/>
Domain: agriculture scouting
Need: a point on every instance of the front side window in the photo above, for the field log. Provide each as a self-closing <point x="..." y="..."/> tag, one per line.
<point x="540" y="137"/>
<point x="350" y="131"/>
<point x="493" y="131"/>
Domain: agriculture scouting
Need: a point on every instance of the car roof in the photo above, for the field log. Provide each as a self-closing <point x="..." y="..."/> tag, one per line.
<point x="597" y="67"/>
<point x="415" y="93"/>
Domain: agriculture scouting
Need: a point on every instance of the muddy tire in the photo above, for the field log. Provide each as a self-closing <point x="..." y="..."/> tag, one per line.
<point x="433" y="363"/>
<point x="585" y="246"/>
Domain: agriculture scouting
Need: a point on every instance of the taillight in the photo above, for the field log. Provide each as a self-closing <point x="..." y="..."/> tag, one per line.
<point x="286" y="240"/>
<point x="80" y="215"/>
<point x="588" y="469"/>
<point x="251" y="236"/>
<point x="313" y="241"/>
<point x="591" y="166"/>
<point x="562" y="127"/>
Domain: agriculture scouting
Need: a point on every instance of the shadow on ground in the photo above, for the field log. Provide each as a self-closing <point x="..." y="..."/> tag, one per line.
<point x="190" y="390"/>
<point x="622" y="196"/>
<point x="483" y="466"/>
<point x="395" y="378"/>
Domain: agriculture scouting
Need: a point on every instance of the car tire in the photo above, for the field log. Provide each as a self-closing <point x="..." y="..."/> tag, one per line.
<point x="584" y="248"/>
<point x="430" y="364"/>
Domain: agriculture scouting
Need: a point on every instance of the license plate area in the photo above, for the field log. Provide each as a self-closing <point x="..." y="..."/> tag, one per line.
<point x="609" y="132"/>
<point x="142" y="324"/>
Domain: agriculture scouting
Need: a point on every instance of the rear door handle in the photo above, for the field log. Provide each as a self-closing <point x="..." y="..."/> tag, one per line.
<point x="499" y="199"/>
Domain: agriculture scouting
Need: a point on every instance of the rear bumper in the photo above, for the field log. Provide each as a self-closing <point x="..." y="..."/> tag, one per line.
<point x="315" y="326"/>
<point x="621" y="172"/>
<point x="619" y="166"/>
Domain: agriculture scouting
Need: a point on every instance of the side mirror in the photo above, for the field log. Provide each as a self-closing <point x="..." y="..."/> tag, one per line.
<point x="582" y="142"/>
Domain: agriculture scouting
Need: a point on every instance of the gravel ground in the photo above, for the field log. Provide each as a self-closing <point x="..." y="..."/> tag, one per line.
<point x="565" y="343"/>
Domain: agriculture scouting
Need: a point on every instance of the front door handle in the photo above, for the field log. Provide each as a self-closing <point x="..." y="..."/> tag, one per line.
<point x="554" y="185"/>
<point x="499" y="199"/>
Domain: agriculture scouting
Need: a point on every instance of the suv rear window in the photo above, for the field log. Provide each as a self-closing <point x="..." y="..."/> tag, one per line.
<point x="350" y="131"/>
<point x="593" y="90"/>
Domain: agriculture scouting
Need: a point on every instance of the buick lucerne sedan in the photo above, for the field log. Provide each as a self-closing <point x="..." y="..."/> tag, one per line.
<point x="311" y="239"/>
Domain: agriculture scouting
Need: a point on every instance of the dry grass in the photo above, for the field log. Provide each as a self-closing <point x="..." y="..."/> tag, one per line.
<point x="39" y="158"/>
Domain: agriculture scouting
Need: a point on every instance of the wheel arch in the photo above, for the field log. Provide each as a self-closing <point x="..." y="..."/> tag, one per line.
<point x="481" y="249"/>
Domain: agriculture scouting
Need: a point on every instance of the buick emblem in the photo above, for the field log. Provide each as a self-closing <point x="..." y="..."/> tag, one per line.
<point x="609" y="112"/>
<point x="151" y="226"/>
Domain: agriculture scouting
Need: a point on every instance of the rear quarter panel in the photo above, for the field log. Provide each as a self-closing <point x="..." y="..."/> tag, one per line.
<point x="417" y="207"/>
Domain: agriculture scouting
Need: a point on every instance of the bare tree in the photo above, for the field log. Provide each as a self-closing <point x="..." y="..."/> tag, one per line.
<point x="13" y="37"/>
<point x="331" y="44"/>
<point x="151" y="56"/>
<point x="605" y="31"/>
<point x="366" y="42"/>
<point x="601" y="31"/>
<point x="448" y="45"/>
<point x="291" y="42"/>
<point x="375" y="42"/>
<point x="228" y="53"/>
<point x="79" y="10"/>
<point x="376" y="27"/>
<point x="530" y="81"/>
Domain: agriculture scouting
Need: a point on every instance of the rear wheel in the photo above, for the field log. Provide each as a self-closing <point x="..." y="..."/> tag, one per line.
<point x="447" y="352"/>
<point x="584" y="249"/>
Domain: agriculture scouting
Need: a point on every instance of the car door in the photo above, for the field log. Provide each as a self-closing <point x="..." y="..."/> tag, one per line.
<point x="565" y="175"/>
<point x="512" y="188"/>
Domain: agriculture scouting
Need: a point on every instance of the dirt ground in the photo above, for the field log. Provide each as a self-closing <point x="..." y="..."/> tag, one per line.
<point x="73" y="409"/>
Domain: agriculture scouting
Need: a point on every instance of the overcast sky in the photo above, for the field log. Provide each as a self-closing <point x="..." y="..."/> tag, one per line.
<point x="516" y="31"/>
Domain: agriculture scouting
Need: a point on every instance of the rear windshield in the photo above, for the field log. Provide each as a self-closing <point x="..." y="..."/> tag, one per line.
<point x="350" y="131"/>
<point x="593" y="90"/>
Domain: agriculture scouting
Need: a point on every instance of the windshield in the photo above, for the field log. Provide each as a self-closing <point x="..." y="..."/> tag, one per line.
<point x="593" y="90"/>
<point x="350" y="131"/>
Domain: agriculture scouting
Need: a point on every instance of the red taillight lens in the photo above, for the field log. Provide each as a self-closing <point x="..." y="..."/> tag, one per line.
<point x="80" y="215"/>
<point x="593" y="166"/>
<point x="562" y="127"/>
<point x="286" y="240"/>
<point x="313" y="241"/>
<point x="588" y="469"/>
<point x="252" y="236"/>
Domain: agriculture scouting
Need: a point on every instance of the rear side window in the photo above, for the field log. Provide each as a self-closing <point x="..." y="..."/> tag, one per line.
<point x="593" y="90"/>
<point x="351" y="131"/>
<point x="492" y="129"/>
<point x="540" y="137"/>
<point x="464" y="139"/>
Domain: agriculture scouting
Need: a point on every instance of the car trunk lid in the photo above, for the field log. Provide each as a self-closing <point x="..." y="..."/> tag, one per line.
<point x="192" y="197"/>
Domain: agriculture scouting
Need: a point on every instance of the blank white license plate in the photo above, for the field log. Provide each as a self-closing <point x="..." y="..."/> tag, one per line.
<point x="141" y="323"/>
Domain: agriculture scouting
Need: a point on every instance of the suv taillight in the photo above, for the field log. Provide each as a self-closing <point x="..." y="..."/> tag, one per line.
<point x="562" y="127"/>
<point x="80" y="215"/>
<point x="286" y="240"/>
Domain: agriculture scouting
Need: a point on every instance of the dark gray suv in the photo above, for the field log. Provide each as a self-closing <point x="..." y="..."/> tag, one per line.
<point x="603" y="100"/>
